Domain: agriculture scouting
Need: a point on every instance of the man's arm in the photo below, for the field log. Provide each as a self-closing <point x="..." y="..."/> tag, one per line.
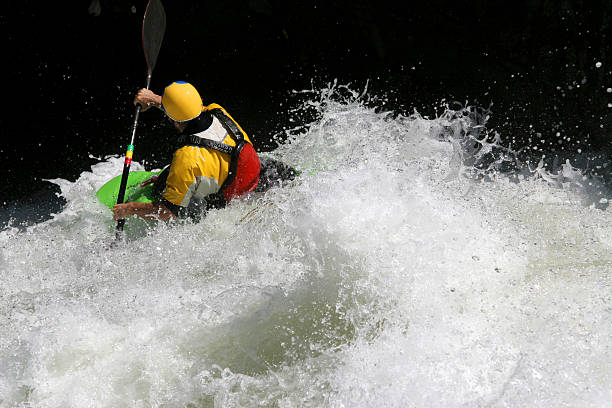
<point x="148" y="211"/>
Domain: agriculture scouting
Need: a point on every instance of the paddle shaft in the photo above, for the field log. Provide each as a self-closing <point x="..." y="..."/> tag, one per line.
<point x="128" y="158"/>
<point x="153" y="28"/>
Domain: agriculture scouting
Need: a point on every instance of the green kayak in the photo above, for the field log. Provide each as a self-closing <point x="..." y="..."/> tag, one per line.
<point x="139" y="188"/>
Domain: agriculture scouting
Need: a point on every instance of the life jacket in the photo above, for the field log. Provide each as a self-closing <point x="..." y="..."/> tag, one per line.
<point x="244" y="167"/>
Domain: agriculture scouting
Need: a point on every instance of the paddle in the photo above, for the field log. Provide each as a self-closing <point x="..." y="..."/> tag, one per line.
<point x="153" y="28"/>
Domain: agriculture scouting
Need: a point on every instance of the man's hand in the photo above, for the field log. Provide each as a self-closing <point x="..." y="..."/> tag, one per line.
<point x="147" y="98"/>
<point x="148" y="211"/>
<point x="121" y="211"/>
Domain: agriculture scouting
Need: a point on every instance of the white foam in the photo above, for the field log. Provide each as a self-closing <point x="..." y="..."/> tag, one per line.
<point x="384" y="279"/>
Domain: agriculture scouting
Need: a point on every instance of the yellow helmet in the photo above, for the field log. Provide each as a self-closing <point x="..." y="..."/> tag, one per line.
<point x="181" y="101"/>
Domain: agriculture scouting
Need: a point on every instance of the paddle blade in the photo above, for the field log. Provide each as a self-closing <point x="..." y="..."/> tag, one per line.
<point x="153" y="28"/>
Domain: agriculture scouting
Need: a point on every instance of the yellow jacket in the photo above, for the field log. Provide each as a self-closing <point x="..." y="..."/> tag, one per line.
<point x="197" y="172"/>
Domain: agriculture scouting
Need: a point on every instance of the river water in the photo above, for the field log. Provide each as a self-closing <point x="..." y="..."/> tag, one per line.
<point x="394" y="272"/>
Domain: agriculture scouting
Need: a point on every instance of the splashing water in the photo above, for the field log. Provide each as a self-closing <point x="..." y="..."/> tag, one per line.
<point x="406" y="271"/>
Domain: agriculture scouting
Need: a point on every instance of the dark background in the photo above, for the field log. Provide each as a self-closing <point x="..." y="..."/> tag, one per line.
<point x="71" y="71"/>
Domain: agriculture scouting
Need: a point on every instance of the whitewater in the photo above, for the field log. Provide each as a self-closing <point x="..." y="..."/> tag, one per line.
<point x="393" y="272"/>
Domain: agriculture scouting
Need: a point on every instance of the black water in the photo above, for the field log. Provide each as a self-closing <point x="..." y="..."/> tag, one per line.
<point x="70" y="74"/>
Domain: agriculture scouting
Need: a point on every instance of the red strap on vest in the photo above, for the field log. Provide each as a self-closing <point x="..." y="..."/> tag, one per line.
<point x="247" y="174"/>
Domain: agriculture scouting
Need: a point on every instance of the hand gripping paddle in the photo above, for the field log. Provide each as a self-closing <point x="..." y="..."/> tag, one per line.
<point x="153" y="28"/>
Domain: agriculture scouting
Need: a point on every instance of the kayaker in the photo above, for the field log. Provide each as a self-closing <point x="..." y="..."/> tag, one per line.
<point x="214" y="163"/>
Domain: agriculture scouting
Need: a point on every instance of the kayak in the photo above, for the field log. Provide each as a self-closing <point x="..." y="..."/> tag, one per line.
<point x="139" y="188"/>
